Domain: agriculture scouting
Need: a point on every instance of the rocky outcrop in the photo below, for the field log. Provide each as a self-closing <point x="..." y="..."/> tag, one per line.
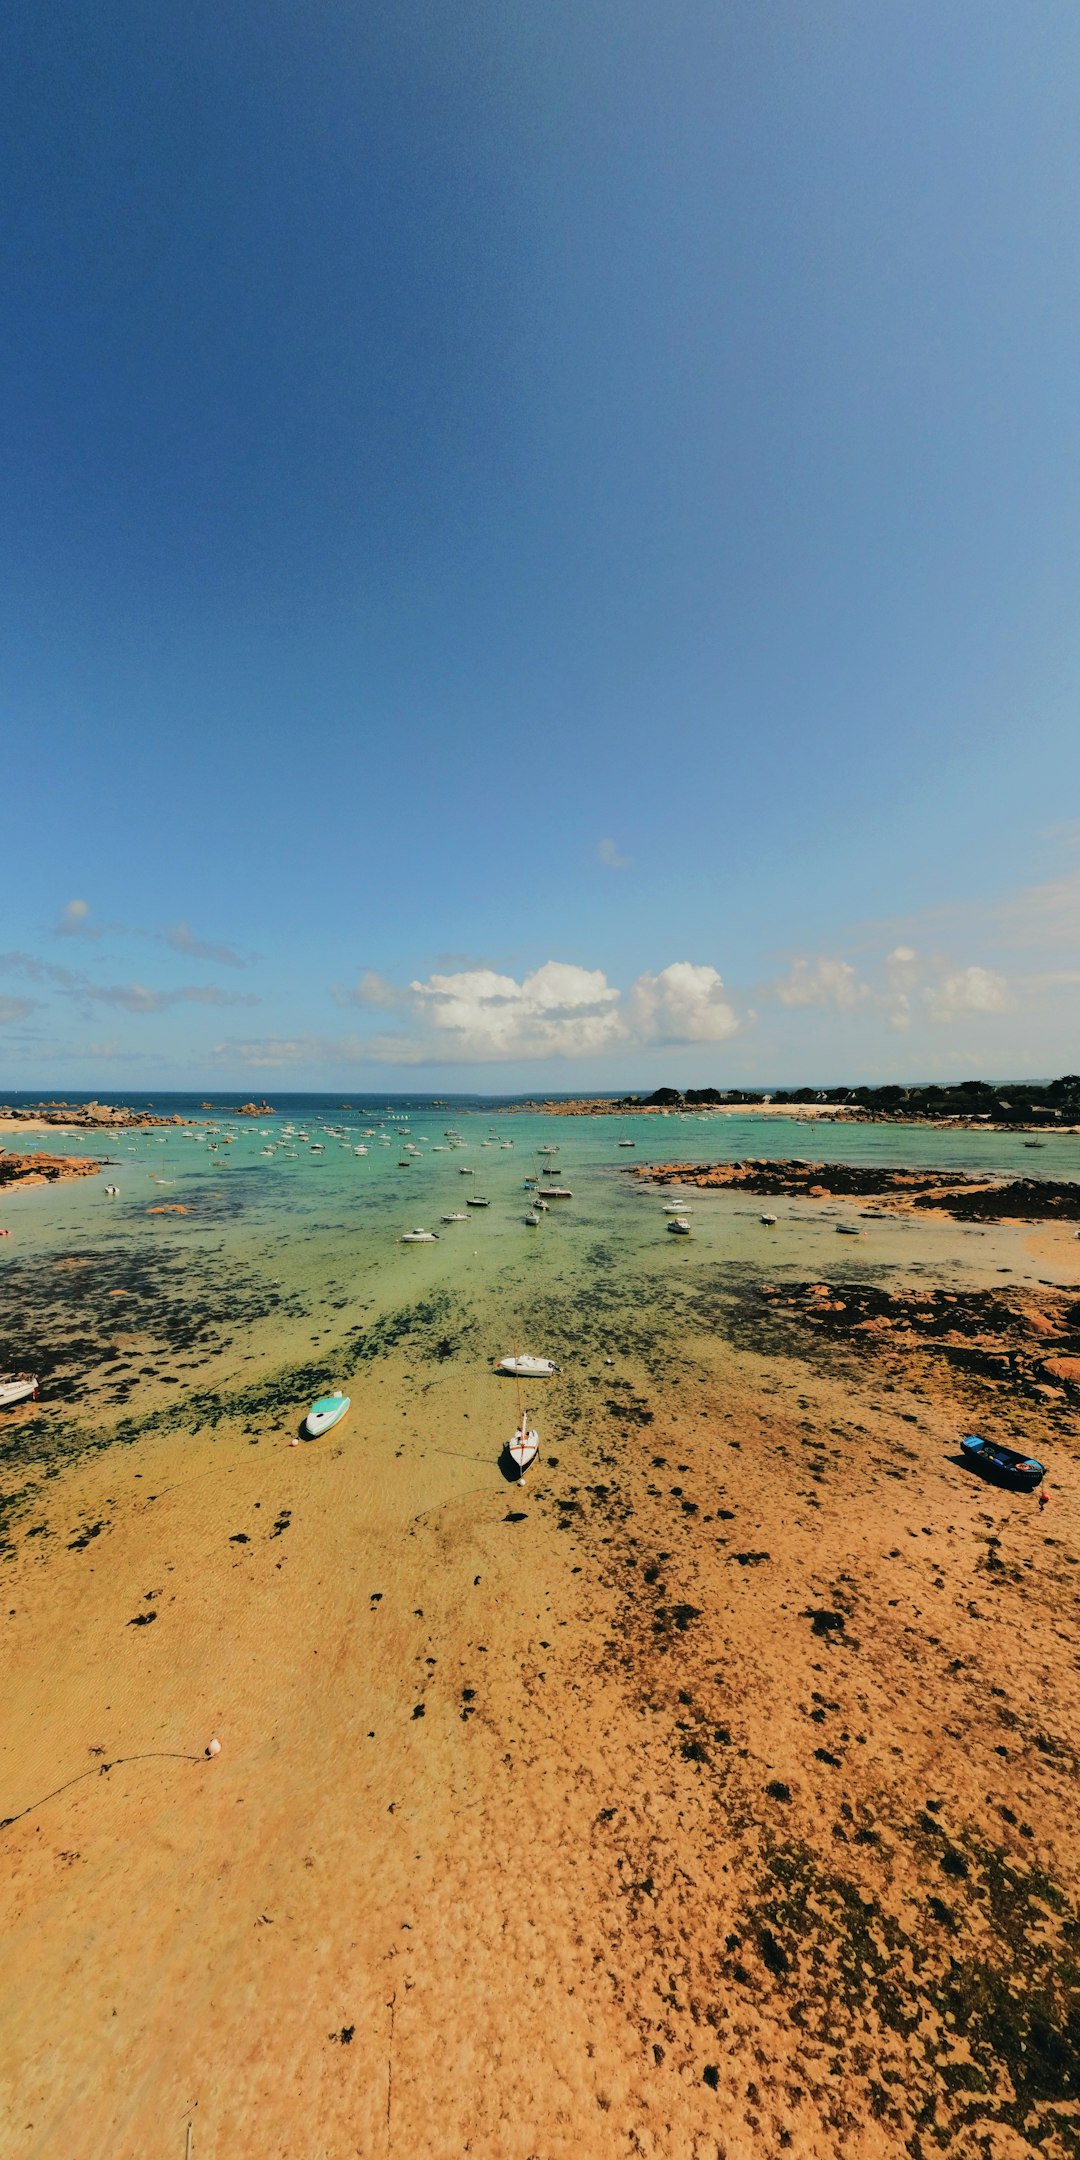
<point x="254" y="1109"/>
<point x="900" y="1191"/>
<point x="91" y="1116"/>
<point x="43" y="1169"/>
<point x="993" y="1336"/>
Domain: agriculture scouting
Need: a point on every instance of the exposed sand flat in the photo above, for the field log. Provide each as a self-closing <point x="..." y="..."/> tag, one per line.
<point x="755" y="1830"/>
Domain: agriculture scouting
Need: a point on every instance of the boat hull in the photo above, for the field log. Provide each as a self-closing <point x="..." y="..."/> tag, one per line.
<point x="20" y="1388"/>
<point x="327" y="1411"/>
<point x="1002" y="1465"/>
<point x="523" y="1450"/>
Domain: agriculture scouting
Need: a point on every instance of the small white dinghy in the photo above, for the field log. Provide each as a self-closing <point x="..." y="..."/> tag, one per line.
<point x="679" y="1226"/>
<point x="527" y="1368"/>
<point x="523" y="1447"/>
<point x="17" y="1388"/>
<point x="419" y="1237"/>
<point x="768" y="1220"/>
<point x="458" y="1215"/>
<point x="532" y="1219"/>
<point x="324" y="1413"/>
<point x="677" y="1207"/>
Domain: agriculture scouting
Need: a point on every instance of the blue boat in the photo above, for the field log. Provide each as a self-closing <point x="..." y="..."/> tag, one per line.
<point x="1004" y="1465"/>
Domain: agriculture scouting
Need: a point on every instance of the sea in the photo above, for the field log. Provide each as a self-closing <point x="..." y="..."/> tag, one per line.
<point x="244" y="1264"/>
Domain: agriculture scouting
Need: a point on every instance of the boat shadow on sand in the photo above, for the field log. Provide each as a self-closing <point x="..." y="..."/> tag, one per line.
<point x="510" y="1471"/>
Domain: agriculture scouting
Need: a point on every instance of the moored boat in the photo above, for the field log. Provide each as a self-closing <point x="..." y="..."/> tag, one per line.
<point x="419" y="1237"/>
<point x="17" y="1388"/>
<point x="324" y="1413"/>
<point x="527" y="1368"/>
<point x="679" y="1226"/>
<point x="1005" y="1465"/>
<point x="523" y="1446"/>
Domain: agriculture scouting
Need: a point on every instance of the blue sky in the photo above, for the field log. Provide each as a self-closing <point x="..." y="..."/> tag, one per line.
<point x="540" y="545"/>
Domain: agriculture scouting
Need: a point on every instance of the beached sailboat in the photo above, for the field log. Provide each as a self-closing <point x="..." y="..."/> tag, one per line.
<point x="527" y="1368"/>
<point x="523" y="1446"/>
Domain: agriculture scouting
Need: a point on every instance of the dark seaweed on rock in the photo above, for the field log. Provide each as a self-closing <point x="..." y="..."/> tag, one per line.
<point x="1031" y="1343"/>
<point x="160" y="1302"/>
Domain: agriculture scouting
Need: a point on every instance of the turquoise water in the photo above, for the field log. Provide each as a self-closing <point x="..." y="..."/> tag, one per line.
<point x="291" y="1243"/>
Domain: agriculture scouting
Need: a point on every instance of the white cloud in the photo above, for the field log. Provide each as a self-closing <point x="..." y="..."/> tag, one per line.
<point x="75" y="921"/>
<point x="608" y="854"/>
<point x="967" y="990"/>
<point x="682" y="1004"/>
<point x="372" y="989"/>
<point x="559" y="1010"/>
<point x="181" y="940"/>
<point x="822" y="982"/>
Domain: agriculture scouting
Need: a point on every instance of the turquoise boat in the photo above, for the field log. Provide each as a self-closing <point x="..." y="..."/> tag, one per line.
<point x="324" y="1413"/>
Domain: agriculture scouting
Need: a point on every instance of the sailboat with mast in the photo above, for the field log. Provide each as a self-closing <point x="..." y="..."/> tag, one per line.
<point x="523" y="1445"/>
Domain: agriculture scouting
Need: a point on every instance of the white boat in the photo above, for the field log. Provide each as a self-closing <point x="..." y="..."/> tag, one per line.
<point x="419" y="1237"/>
<point x="677" y="1207"/>
<point x="17" y="1388"/>
<point x="557" y="1192"/>
<point x="113" y="1192"/>
<point x="532" y="1218"/>
<point x="768" y="1220"/>
<point x="523" y="1446"/>
<point x="547" y="1151"/>
<point x="476" y="1200"/>
<point x="679" y="1226"/>
<point x="324" y="1413"/>
<point x="506" y="1143"/>
<point x="464" y="1170"/>
<point x="527" y="1368"/>
<point x="458" y="1215"/>
<point x="628" y="1143"/>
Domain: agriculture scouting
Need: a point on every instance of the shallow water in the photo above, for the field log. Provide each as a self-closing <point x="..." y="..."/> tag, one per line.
<point x="290" y="1263"/>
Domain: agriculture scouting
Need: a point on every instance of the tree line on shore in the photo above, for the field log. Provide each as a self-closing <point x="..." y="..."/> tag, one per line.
<point x="1020" y="1102"/>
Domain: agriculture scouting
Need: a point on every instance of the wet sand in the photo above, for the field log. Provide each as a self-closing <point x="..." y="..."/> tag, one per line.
<point x="714" y="1795"/>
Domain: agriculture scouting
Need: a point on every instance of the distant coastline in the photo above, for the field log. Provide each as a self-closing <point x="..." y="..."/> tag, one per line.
<point x="972" y="1105"/>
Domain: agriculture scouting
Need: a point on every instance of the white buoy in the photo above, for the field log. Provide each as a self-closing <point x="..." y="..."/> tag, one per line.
<point x="213" y="1749"/>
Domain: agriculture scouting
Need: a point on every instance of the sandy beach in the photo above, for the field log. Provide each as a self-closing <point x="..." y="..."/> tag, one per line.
<point x="715" y="1794"/>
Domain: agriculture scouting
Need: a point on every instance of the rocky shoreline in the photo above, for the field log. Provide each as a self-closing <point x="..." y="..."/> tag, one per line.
<point x="44" y="1169"/>
<point x="945" y="1192"/>
<point x="82" y="1117"/>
